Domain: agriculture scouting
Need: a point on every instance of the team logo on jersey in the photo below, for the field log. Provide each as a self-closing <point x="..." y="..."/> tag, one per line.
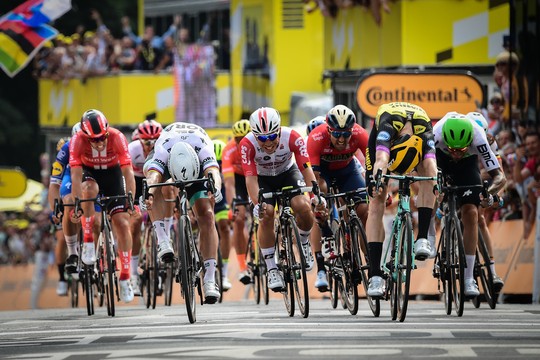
<point x="383" y="136"/>
<point x="57" y="169"/>
<point x="431" y="144"/>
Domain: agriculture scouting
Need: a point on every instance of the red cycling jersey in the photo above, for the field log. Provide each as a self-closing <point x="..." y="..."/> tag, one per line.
<point x="323" y="154"/>
<point x="231" y="161"/>
<point x="81" y="152"/>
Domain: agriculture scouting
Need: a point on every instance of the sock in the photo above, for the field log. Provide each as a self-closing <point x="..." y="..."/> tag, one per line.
<point x="168" y="223"/>
<point x="375" y="253"/>
<point x="432" y="231"/>
<point x="320" y="261"/>
<point x="210" y="270"/>
<point x="492" y="267"/>
<point x="72" y="245"/>
<point x="125" y="264"/>
<point x="159" y="228"/>
<point x="87" y="225"/>
<point x="134" y="265"/>
<point x="268" y="254"/>
<point x="242" y="261"/>
<point x="304" y="236"/>
<point x="424" y="217"/>
<point x="61" y="272"/>
<point x="224" y="267"/>
<point x="470" y="266"/>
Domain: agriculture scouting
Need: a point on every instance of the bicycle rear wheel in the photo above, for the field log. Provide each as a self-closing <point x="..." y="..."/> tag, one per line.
<point x="254" y="270"/>
<point x="285" y="267"/>
<point x="358" y="237"/>
<point x="74" y="292"/>
<point x="444" y="269"/>
<point x="298" y="263"/>
<point x="263" y="277"/>
<point x="187" y="266"/>
<point x="169" y="273"/>
<point x="109" y="272"/>
<point x="403" y="283"/>
<point x="456" y="263"/>
<point x="483" y="272"/>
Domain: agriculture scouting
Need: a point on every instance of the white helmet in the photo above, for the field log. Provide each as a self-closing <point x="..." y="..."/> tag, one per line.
<point x="449" y="115"/>
<point x="340" y="117"/>
<point x="184" y="163"/>
<point x="265" y="121"/>
<point x="479" y="119"/>
<point x="75" y="129"/>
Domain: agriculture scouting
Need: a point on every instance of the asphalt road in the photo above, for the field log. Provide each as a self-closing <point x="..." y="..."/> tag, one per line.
<point x="244" y="330"/>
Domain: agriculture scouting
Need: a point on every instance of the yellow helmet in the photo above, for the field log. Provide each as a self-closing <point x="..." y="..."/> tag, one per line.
<point x="405" y="154"/>
<point x="241" y="128"/>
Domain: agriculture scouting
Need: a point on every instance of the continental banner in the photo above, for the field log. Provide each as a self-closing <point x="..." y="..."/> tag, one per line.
<point x="436" y="93"/>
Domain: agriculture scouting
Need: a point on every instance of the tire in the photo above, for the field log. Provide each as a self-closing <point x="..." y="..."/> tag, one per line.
<point x="88" y="273"/>
<point x="358" y="232"/>
<point x="405" y="262"/>
<point x="483" y="272"/>
<point x="109" y="272"/>
<point x="284" y="267"/>
<point x="219" y="274"/>
<point x="348" y="287"/>
<point x="456" y="262"/>
<point x="187" y="266"/>
<point x="153" y="269"/>
<point x="168" y="284"/>
<point x="444" y="270"/>
<point x="298" y="273"/>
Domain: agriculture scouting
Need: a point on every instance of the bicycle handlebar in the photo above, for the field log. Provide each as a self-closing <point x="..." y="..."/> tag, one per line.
<point x="102" y="201"/>
<point x="285" y="191"/>
<point x="180" y="184"/>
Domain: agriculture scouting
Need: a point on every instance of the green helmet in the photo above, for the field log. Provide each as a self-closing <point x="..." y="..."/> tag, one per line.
<point x="457" y="132"/>
<point x="218" y="148"/>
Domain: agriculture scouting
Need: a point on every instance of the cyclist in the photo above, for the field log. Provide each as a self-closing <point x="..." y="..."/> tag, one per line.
<point x="460" y="143"/>
<point x="221" y="211"/>
<point x="235" y="189"/>
<point x="267" y="160"/>
<point x="147" y="133"/>
<point x="408" y="126"/>
<point x="477" y="117"/>
<point x="332" y="148"/>
<point x="158" y="169"/>
<point x="100" y="164"/>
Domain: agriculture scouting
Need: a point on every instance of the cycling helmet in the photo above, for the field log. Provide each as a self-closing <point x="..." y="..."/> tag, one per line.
<point x="183" y="162"/>
<point x="405" y="154"/>
<point x="75" y="129"/>
<point x="241" y="128"/>
<point x="313" y="123"/>
<point x="135" y="134"/>
<point x="94" y="124"/>
<point x="265" y="121"/>
<point x="479" y="119"/>
<point x="340" y="117"/>
<point x="149" y="130"/>
<point x="218" y="148"/>
<point x="457" y="132"/>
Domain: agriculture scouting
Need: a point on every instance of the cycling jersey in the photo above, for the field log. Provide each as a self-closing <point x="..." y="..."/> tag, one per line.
<point x="138" y="159"/>
<point x="479" y="146"/>
<point x="60" y="166"/>
<point x="192" y="134"/>
<point x="81" y="152"/>
<point x="324" y="156"/>
<point x="232" y="161"/>
<point x="256" y="162"/>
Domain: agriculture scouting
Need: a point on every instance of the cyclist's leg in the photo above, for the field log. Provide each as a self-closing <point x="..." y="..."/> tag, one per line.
<point x="224" y="233"/>
<point x="59" y="251"/>
<point x="426" y="202"/>
<point x="239" y="228"/>
<point x="90" y="189"/>
<point x="135" y="223"/>
<point x="498" y="283"/>
<point x="157" y="215"/>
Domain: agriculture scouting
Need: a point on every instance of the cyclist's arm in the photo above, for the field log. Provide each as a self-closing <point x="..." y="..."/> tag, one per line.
<point x="76" y="181"/>
<point x="216" y="174"/>
<point x="230" y="189"/>
<point x="252" y="186"/>
<point x="54" y="193"/>
<point x="127" y="171"/>
<point x="499" y="180"/>
<point x="153" y="177"/>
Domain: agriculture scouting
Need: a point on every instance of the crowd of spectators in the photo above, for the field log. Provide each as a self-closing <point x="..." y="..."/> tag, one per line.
<point x="92" y="53"/>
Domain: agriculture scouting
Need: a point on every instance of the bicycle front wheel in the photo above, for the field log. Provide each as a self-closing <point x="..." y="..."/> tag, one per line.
<point x="88" y="274"/>
<point x="345" y="264"/>
<point x="483" y="272"/>
<point x="297" y="261"/>
<point x="109" y="272"/>
<point x="405" y="261"/>
<point x="358" y="243"/>
<point x="187" y="266"/>
<point x="455" y="253"/>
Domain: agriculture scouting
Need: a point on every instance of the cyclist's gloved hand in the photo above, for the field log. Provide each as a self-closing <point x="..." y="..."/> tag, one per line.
<point x="218" y="196"/>
<point x="315" y="201"/>
<point x="487" y="202"/>
<point x="256" y="212"/>
<point x="372" y="184"/>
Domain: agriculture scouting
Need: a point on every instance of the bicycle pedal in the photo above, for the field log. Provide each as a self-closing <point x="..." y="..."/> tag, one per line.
<point x="323" y="289"/>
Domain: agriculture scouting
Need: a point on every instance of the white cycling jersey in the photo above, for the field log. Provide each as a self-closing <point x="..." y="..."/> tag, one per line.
<point x="137" y="157"/>
<point x="479" y="146"/>
<point x="256" y="162"/>
<point x="192" y="134"/>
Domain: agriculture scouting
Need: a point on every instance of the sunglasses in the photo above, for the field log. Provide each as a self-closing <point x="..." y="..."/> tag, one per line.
<point x="337" y="134"/>
<point x="458" y="150"/>
<point x="264" y="138"/>
<point x="99" y="139"/>
<point x="148" y="142"/>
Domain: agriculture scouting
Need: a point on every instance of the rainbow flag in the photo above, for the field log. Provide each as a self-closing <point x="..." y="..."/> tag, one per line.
<point x="24" y="30"/>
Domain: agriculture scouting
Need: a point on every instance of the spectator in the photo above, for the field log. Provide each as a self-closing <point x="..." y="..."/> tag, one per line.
<point x="507" y="65"/>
